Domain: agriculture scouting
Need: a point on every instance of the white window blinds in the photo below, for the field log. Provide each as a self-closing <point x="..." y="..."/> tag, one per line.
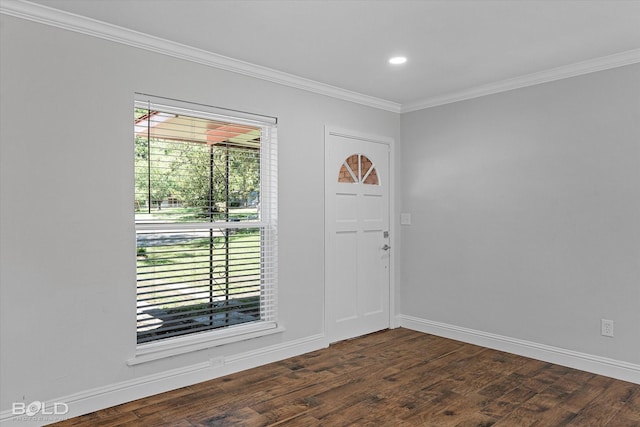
<point x="206" y="218"/>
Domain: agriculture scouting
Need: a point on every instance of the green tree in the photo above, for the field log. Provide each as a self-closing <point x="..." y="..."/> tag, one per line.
<point x="204" y="175"/>
<point x="156" y="171"/>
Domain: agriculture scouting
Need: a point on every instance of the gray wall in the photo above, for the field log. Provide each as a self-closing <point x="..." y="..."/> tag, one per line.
<point x="67" y="254"/>
<point x="526" y="213"/>
<point x="525" y="209"/>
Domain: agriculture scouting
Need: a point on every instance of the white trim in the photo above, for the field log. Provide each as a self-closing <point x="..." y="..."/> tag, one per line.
<point x="586" y="362"/>
<point x="347" y="133"/>
<point x="394" y="239"/>
<point x="572" y="70"/>
<point x="188" y="343"/>
<point x="81" y="24"/>
<point x="138" y="388"/>
<point x="176" y="106"/>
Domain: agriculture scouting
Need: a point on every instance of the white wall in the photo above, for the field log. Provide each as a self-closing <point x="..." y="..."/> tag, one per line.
<point x="526" y="215"/>
<point x="67" y="254"/>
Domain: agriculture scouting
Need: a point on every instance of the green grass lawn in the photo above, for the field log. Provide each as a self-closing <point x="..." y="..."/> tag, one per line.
<point x="185" y="269"/>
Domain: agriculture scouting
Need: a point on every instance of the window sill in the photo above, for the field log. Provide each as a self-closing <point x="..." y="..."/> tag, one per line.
<point x="181" y="345"/>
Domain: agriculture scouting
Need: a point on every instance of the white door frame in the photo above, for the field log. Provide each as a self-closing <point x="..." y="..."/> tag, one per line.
<point x="389" y="141"/>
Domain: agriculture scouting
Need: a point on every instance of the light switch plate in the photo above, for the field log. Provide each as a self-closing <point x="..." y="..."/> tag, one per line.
<point x="405" y="219"/>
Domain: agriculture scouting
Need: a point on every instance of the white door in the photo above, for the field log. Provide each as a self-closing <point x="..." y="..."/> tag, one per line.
<point x="357" y="251"/>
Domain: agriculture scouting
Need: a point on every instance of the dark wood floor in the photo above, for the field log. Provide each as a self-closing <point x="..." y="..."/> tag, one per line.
<point x="390" y="378"/>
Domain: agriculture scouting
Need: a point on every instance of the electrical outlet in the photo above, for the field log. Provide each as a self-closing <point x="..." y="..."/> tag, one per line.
<point x="606" y="326"/>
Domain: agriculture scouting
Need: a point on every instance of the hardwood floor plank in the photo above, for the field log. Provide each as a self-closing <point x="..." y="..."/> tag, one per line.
<point x="301" y="421"/>
<point x="606" y="407"/>
<point x="291" y="405"/>
<point x="241" y="417"/>
<point x="501" y="406"/>
<point x="394" y="378"/>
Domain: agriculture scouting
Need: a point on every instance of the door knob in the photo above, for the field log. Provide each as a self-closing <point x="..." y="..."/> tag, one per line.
<point x="386" y="247"/>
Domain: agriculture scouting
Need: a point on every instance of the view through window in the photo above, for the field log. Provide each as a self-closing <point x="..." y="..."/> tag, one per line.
<point x="205" y="213"/>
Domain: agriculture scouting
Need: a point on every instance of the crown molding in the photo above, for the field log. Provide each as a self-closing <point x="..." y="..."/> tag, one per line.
<point x="88" y="26"/>
<point x="572" y="70"/>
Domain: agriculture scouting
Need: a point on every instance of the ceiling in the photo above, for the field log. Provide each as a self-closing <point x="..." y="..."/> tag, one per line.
<point x="452" y="45"/>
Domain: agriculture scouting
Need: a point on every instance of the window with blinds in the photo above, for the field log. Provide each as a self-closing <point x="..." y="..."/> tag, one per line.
<point x="205" y="215"/>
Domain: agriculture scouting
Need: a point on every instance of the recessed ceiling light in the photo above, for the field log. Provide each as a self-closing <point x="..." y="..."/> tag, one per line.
<point x="397" y="60"/>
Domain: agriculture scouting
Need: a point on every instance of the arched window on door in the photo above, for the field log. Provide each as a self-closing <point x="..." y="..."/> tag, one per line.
<point x="358" y="169"/>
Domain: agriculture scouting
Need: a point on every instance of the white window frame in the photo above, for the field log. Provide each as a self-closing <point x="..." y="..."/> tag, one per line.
<point x="267" y="223"/>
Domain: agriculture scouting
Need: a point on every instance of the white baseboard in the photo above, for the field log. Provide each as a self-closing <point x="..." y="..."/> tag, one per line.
<point x="585" y="362"/>
<point x="138" y="388"/>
